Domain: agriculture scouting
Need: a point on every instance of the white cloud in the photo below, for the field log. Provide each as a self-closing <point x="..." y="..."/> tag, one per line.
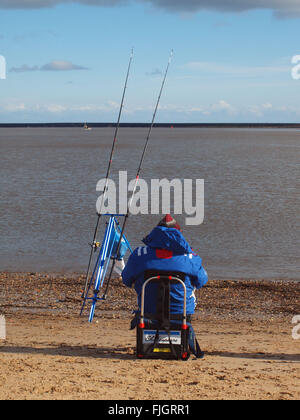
<point x="219" y="111"/>
<point x="55" y="108"/>
<point x="267" y="106"/>
<point x="61" y="66"/>
<point x="13" y="107"/>
<point x="222" y="106"/>
<point x="24" y="69"/>
<point x="16" y="106"/>
<point x="267" y="110"/>
<point x="52" y="66"/>
<point x="218" y="107"/>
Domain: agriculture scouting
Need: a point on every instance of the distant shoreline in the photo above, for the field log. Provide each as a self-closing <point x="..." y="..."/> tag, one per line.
<point x="162" y="125"/>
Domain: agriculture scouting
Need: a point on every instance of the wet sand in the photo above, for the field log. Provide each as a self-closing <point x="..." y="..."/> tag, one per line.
<point x="50" y="352"/>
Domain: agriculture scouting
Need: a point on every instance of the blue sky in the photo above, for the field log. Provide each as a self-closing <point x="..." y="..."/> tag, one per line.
<point x="67" y="60"/>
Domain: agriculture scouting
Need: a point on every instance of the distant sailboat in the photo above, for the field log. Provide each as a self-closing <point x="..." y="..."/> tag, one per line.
<point x="86" y="127"/>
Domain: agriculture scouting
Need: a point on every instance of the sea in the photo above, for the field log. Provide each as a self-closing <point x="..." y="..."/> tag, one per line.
<point x="251" y="225"/>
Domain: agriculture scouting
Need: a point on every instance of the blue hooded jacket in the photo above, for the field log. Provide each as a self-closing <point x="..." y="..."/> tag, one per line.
<point x="166" y="250"/>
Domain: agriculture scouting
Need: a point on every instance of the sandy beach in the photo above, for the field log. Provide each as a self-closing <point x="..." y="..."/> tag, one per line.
<point x="50" y="352"/>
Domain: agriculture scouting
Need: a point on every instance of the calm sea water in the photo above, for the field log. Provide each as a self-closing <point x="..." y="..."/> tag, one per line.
<point x="252" y="195"/>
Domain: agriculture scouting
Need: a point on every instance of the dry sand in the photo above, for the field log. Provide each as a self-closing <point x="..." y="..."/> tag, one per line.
<point x="245" y="329"/>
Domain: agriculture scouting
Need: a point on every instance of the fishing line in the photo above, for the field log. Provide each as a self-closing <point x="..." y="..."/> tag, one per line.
<point x="138" y="172"/>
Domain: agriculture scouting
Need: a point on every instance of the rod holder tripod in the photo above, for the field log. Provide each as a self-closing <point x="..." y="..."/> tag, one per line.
<point x="108" y="251"/>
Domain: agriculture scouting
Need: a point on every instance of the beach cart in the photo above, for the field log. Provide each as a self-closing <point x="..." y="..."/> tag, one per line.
<point x="162" y="335"/>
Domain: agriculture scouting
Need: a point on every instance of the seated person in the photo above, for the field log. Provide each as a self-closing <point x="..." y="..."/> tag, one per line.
<point x="166" y="250"/>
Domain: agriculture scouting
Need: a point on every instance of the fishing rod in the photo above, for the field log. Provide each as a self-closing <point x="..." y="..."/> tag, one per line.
<point x="138" y="173"/>
<point x="94" y="243"/>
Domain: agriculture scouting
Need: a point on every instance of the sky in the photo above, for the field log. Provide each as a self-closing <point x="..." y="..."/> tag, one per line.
<point x="66" y="60"/>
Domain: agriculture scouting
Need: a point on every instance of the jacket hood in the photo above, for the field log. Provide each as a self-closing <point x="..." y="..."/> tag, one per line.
<point x="167" y="238"/>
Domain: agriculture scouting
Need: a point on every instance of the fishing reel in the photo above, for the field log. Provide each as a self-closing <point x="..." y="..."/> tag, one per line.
<point x="95" y="245"/>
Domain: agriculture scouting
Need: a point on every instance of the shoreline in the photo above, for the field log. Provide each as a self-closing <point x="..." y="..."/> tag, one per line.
<point x="241" y="299"/>
<point x="147" y="125"/>
<point x="80" y="274"/>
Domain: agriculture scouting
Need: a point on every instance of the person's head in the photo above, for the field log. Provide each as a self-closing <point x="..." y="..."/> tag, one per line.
<point x="169" y="222"/>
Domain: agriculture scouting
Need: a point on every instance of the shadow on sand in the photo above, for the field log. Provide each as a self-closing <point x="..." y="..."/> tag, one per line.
<point x="128" y="353"/>
<point x="123" y="353"/>
<point x="280" y="357"/>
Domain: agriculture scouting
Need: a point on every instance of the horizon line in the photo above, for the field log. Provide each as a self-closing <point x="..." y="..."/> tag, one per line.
<point x="146" y="124"/>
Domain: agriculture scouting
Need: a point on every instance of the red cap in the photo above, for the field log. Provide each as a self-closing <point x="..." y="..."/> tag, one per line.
<point x="169" y="222"/>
